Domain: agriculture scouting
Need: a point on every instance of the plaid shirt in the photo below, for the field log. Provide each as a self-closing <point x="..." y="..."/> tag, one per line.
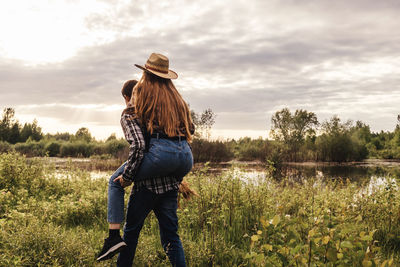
<point x="134" y="135"/>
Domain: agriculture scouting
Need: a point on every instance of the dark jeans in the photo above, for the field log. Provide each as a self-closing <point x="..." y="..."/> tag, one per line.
<point x="164" y="207"/>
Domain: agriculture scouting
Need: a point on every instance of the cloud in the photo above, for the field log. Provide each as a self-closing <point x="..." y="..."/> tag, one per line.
<point x="243" y="59"/>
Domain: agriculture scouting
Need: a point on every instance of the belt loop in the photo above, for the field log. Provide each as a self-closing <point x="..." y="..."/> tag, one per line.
<point x="179" y="138"/>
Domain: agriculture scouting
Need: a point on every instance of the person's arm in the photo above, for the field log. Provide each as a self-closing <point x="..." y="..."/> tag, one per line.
<point x="134" y="136"/>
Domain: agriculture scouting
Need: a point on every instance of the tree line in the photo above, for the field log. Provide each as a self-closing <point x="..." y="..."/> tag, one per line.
<point x="294" y="136"/>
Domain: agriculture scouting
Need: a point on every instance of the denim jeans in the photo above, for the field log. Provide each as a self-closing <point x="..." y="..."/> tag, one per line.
<point x="115" y="202"/>
<point x="164" y="207"/>
<point x="164" y="158"/>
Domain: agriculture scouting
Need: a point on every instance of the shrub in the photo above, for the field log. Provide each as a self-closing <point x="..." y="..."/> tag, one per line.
<point x="53" y="148"/>
<point x="76" y="149"/>
<point x="31" y="148"/>
<point x="4" y="147"/>
<point x="16" y="173"/>
<point x="115" y="146"/>
<point x="214" y="151"/>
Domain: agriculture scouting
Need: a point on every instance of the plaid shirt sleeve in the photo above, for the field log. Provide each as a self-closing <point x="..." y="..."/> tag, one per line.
<point x="134" y="136"/>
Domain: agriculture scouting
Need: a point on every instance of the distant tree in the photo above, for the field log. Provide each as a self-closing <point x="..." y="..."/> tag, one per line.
<point x="62" y="136"/>
<point x="203" y="122"/>
<point x="32" y="131"/>
<point x="340" y="141"/>
<point x="362" y="132"/>
<point x="26" y="131"/>
<point x="36" y="131"/>
<point x="111" y="137"/>
<point x="83" y="134"/>
<point x="6" y="123"/>
<point x="14" y="134"/>
<point x="292" y="130"/>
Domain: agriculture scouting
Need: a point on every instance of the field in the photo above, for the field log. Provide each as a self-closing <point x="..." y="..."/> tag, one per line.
<point x="53" y="217"/>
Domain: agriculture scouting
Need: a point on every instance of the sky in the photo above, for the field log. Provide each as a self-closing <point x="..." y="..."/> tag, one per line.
<point x="64" y="62"/>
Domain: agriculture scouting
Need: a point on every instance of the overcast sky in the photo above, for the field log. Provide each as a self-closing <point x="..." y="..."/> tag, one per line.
<point x="64" y="62"/>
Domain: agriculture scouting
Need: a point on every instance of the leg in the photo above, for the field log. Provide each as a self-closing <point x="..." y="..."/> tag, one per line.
<point x="140" y="204"/>
<point x="115" y="204"/>
<point x="115" y="214"/>
<point x="165" y="210"/>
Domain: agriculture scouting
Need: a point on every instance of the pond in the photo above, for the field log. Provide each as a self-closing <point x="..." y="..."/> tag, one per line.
<point x="354" y="171"/>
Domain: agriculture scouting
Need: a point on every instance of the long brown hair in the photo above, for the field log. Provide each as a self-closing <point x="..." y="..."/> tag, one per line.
<point x="159" y="106"/>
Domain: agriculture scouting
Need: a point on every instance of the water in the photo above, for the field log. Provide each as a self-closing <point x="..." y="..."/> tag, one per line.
<point x="355" y="172"/>
<point x="372" y="175"/>
<point x="253" y="171"/>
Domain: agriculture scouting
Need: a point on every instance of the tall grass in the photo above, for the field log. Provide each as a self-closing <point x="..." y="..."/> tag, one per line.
<point x="60" y="220"/>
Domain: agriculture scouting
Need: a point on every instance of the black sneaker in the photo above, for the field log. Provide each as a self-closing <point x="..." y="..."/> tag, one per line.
<point x="112" y="246"/>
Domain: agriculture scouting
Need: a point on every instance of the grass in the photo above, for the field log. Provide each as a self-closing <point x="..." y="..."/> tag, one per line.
<point x="48" y="220"/>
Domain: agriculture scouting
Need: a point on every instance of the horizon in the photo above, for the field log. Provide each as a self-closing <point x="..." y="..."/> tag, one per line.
<point x="244" y="60"/>
<point x="215" y="135"/>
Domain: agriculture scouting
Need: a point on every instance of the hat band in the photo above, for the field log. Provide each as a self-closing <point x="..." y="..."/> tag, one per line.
<point x="155" y="69"/>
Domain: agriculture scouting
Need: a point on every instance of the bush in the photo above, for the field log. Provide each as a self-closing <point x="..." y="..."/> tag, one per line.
<point x="4" y="147"/>
<point x="76" y="149"/>
<point x="213" y="151"/>
<point x="16" y="174"/>
<point x="31" y="148"/>
<point x="53" y="148"/>
<point x="116" y="146"/>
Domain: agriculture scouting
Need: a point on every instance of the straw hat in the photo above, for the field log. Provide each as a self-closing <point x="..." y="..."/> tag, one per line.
<point x="158" y="65"/>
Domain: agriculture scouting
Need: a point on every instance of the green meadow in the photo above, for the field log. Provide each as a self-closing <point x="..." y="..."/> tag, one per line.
<point x="57" y="217"/>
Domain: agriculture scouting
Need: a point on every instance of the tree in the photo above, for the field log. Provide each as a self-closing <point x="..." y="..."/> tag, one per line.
<point x="203" y="122"/>
<point x="292" y="130"/>
<point x="83" y="134"/>
<point x="111" y="137"/>
<point x="36" y="131"/>
<point x="61" y="136"/>
<point x="31" y="130"/>
<point x="14" y="134"/>
<point x="6" y="123"/>
<point x="341" y="141"/>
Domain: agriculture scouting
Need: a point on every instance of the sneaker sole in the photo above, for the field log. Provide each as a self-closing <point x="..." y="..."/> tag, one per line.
<point x="112" y="251"/>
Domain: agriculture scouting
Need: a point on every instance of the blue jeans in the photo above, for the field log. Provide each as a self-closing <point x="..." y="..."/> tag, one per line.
<point x="115" y="202"/>
<point x="164" y="158"/>
<point x="164" y="207"/>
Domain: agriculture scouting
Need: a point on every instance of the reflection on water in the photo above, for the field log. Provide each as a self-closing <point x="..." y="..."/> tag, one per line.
<point x="357" y="172"/>
<point x="253" y="171"/>
<point x="372" y="179"/>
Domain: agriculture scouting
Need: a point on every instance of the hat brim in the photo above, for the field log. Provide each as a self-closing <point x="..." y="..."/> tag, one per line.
<point x="170" y="75"/>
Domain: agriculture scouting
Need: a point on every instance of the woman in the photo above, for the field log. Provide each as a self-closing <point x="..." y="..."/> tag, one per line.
<point x="164" y="118"/>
